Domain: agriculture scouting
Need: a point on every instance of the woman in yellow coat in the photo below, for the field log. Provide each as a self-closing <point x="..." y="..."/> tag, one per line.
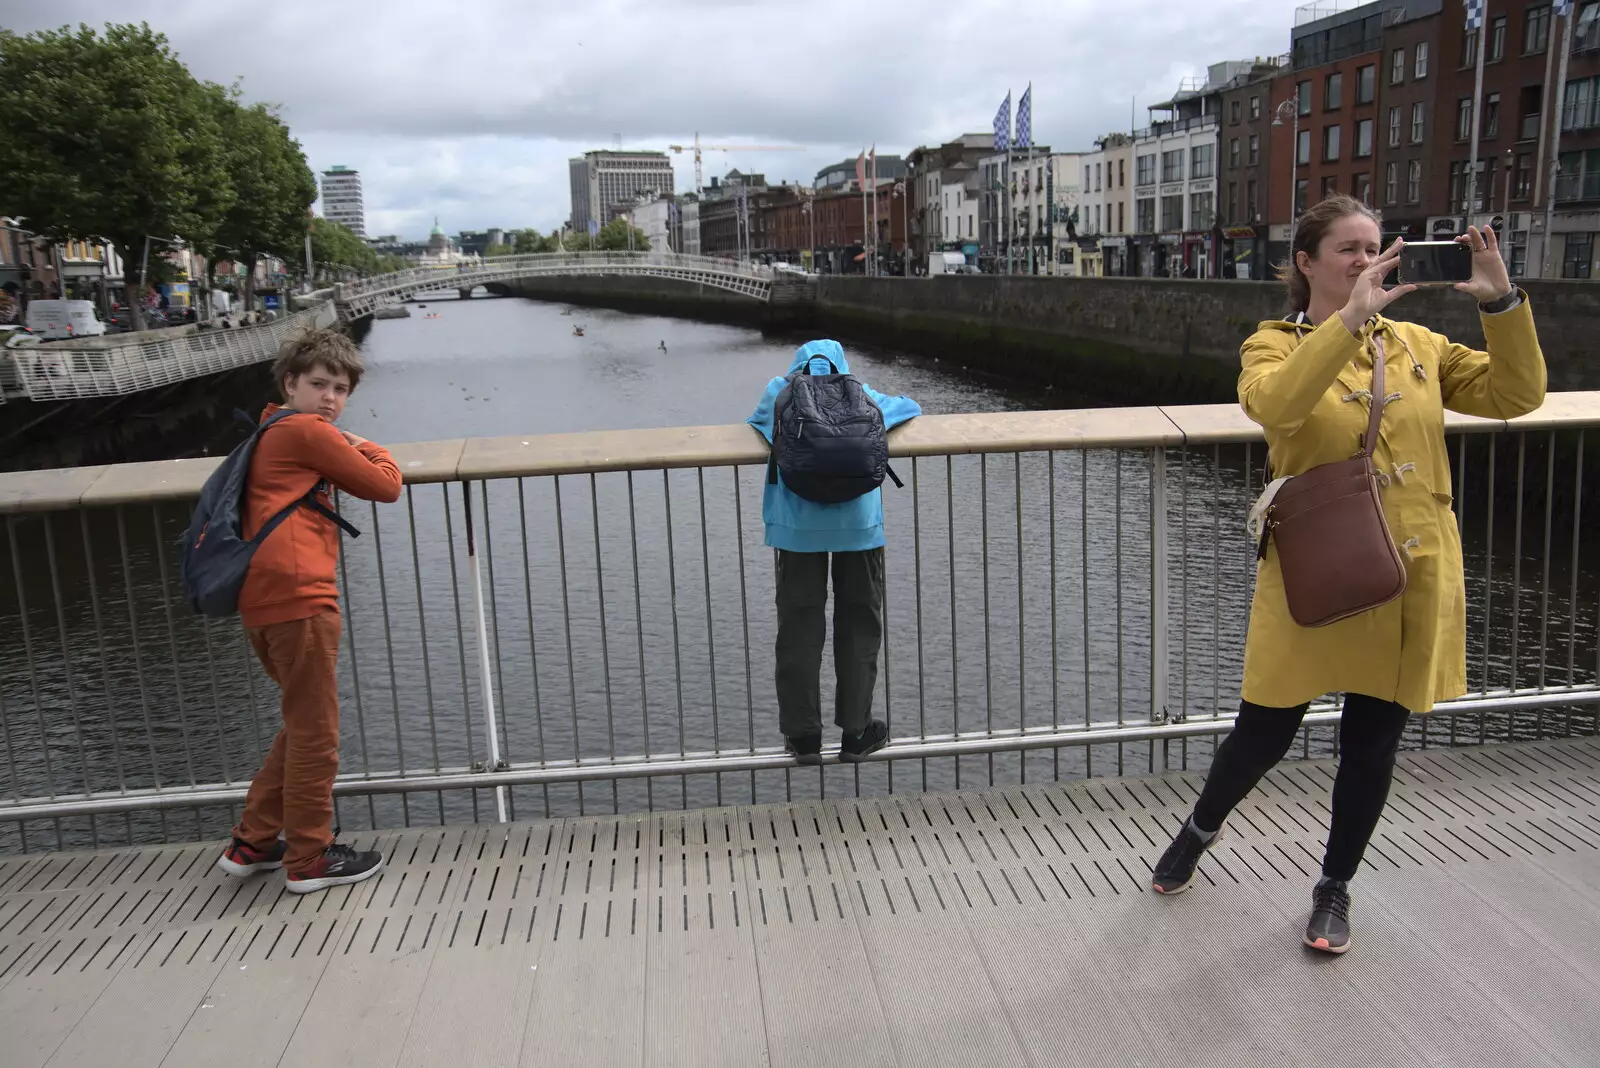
<point x="1306" y="380"/>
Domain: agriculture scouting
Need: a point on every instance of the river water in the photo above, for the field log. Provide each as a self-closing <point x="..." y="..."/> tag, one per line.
<point x="632" y="613"/>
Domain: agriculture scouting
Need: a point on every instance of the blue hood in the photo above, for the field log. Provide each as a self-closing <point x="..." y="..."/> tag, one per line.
<point x="796" y="524"/>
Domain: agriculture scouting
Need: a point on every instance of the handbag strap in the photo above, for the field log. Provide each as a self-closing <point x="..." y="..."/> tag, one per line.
<point x="1370" y="439"/>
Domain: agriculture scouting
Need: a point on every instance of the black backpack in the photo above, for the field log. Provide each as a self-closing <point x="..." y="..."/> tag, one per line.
<point x="213" y="554"/>
<point x="828" y="438"/>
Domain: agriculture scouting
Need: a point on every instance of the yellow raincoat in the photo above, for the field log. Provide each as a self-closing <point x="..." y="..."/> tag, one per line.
<point x="1305" y="387"/>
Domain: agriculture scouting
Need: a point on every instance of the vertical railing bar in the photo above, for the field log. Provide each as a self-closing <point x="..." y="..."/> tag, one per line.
<point x="138" y="652"/>
<point x="533" y="641"/>
<point x="566" y="620"/>
<point x="216" y="700"/>
<point x="172" y="643"/>
<point x="988" y="677"/>
<point x="11" y="762"/>
<point x="744" y="620"/>
<point x="1160" y="596"/>
<point x="1183" y="595"/>
<point x="480" y="626"/>
<point x="955" y="634"/>
<point x="888" y="689"/>
<point x="916" y="557"/>
<point x="1083" y="542"/>
<point x="355" y="682"/>
<point x="638" y="609"/>
<point x="677" y="650"/>
<point x="503" y="746"/>
<point x="1216" y="587"/>
<point x="69" y="676"/>
<point x="388" y="651"/>
<point x="711" y="637"/>
<point x="461" y="639"/>
<point x="422" y="632"/>
<point x="1572" y="596"/>
<point x="1117" y="572"/>
<point x="605" y="642"/>
<point x="1488" y="580"/>
<point x="248" y="653"/>
<point x="1460" y="502"/>
<point x="1022" y="629"/>
<point x="1544" y="580"/>
<point x="1055" y="636"/>
<point x="1516" y="568"/>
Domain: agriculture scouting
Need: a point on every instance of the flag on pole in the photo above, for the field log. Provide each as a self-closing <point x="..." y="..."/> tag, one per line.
<point x="1002" y="126"/>
<point x="861" y="170"/>
<point x="1025" y="119"/>
<point x="594" y="228"/>
<point x="1474" y="14"/>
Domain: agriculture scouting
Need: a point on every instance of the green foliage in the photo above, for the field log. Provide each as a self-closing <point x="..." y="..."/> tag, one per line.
<point x="613" y="237"/>
<point x="500" y="250"/>
<point x="335" y="247"/>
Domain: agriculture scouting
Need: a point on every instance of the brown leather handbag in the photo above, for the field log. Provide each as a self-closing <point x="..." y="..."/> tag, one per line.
<point x="1335" y="550"/>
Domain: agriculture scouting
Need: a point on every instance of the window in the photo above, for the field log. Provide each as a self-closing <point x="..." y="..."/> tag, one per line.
<point x="1255" y="108"/>
<point x="1121" y="221"/>
<point x="1397" y="66"/>
<point x="1302" y="151"/>
<point x="1302" y="97"/>
<point x="1234" y="111"/>
<point x="1577" y="255"/>
<point x="1394" y="127"/>
<point x="1580" y="110"/>
<point x="1420" y="67"/>
<point x="1145" y="171"/>
<point x="1491" y="115"/>
<point x="1463" y="118"/>
<point x="1251" y="214"/>
<point x="1233" y="153"/>
<point x="1201" y="211"/>
<point x="1330" y="186"/>
<point x="1172" y="165"/>
<point x="1255" y="149"/>
<point x="1363" y="138"/>
<point x="1366" y="83"/>
<point x="1391" y="183"/>
<point x="1202" y="161"/>
<point x="1144" y="214"/>
<point x="1497" y="39"/>
<point x="1363" y="189"/>
<point x="1469" y="48"/>
<point x="1231" y="208"/>
<point x="1172" y="213"/>
<point x="1458" y="186"/>
<point x="1122" y="174"/>
<point x="1418" y="116"/>
<point x="1302" y="189"/>
<point x="1586" y="31"/>
<point x="1536" y="29"/>
<point x="1086" y="172"/>
<point x="1578" y="177"/>
<point x="1330" y="144"/>
<point x="1414" y="181"/>
<point x="1523" y="185"/>
<point x="1333" y="92"/>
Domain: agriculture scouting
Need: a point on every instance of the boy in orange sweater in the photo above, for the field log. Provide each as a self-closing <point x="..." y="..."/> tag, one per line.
<point x="290" y="610"/>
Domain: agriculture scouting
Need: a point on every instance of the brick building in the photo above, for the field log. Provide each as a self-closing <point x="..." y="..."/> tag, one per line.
<point x="1249" y="203"/>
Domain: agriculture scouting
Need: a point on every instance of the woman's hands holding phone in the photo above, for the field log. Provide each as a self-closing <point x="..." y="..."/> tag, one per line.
<point x="1489" y="278"/>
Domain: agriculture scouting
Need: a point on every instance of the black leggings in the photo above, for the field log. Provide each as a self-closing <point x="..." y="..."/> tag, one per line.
<point x="1369" y="736"/>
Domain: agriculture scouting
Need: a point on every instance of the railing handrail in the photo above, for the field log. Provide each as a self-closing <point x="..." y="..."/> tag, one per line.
<point x="736" y="444"/>
<point x="544" y="261"/>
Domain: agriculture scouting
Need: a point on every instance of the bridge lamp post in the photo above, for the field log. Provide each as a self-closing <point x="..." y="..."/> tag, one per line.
<point x="1290" y="109"/>
<point x="905" y="229"/>
<point x="807" y="207"/>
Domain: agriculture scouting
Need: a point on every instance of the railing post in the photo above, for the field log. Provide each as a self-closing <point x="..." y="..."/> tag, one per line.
<point x="485" y="668"/>
<point x="1160" y="605"/>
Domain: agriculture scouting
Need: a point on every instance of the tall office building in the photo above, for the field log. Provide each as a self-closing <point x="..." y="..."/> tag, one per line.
<point x="603" y="181"/>
<point x="341" y="199"/>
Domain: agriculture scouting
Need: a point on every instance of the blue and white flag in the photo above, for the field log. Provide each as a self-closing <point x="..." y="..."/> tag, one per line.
<point x="1025" y="119"/>
<point x="1563" y="7"/>
<point x="1474" y="14"/>
<point x="594" y="228"/>
<point x="1002" y="126"/>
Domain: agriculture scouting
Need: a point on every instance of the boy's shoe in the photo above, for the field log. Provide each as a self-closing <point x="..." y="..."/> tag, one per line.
<point x="338" y="865"/>
<point x="241" y="858"/>
<point x="806" y="749"/>
<point x="1176" y="867"/>
<point x="1329" y="929"/>
<point x="854" y="748"/>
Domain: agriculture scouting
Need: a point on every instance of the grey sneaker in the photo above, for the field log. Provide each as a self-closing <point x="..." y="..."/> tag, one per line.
<point x="1175" y="869"/>
<point x="338" y="865"/>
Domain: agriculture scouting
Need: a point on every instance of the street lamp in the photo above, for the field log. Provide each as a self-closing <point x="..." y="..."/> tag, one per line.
<point x="1291" y="109"/>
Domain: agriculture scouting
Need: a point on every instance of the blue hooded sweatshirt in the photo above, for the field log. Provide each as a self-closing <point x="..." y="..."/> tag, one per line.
<point x="802" y="526"/>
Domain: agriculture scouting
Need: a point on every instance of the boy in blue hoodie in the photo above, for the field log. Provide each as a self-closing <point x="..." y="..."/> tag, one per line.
<point x="806" y="534"/>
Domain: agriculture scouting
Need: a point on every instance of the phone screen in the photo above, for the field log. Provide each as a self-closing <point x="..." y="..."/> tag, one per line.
<point x="1435" y="263"/>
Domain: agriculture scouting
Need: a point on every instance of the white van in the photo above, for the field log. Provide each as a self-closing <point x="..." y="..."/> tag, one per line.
<point x="54" y="320"/>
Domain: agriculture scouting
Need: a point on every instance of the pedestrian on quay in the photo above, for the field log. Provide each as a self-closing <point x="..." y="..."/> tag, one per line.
<point x="823" y="509"/>
<point x="289" y="606"/>
<point x="1309" y="380"/>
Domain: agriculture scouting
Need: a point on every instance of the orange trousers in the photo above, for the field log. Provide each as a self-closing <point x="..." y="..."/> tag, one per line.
<point x="293" y="791"/>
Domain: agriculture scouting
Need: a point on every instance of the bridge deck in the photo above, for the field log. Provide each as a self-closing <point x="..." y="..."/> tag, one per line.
<point x="1003" y="927"/>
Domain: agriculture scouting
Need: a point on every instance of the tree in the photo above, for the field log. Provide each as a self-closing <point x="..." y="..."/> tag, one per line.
<point x="613" y="237"/>
<point x="109" y="138"/>
<point x="335" y="246"/>
<point x="273" y="186"/>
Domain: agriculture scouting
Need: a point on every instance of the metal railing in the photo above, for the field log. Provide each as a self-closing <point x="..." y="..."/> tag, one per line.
<point x="65" y="372"/>
<point x="356" y="299"/>
<point x="581" y="622"/>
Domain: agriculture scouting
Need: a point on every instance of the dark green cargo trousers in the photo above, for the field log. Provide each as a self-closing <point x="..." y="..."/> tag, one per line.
<point x="802" y="630"/>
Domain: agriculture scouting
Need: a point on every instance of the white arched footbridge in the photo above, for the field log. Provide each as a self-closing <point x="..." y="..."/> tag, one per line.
<point x="361" y="298"/>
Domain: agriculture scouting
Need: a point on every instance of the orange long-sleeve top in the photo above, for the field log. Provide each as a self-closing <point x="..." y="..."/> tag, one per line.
<point x="294" y="573"/>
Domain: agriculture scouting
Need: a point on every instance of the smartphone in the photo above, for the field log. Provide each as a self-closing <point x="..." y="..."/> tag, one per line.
<point x="1434" y="263"/>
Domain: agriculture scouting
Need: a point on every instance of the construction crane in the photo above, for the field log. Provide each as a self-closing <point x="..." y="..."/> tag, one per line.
<point x="697" y="148"/>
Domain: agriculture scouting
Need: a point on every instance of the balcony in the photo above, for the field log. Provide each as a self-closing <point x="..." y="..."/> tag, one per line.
<point x="1529" y="128"/>
<point x="1577" y="187"/>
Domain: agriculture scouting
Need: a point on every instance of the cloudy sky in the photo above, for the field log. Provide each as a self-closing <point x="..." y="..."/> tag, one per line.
<point x="469" y="109"/>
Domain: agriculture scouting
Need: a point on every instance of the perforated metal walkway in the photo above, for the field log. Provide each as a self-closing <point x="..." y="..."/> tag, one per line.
<point x="1004" y="927"/>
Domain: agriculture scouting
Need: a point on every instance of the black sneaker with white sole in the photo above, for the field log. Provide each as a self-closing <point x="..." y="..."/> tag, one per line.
<point x="805" y="748"/>
<point x="339" y="865"/>
<point x="854" y="748"/>
<point x="1329" y="927"/>
<point x="1176" y="867"/>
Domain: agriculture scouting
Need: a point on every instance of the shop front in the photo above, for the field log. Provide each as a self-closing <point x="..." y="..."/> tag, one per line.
<point x="1244" y="252"/>
<point x="1114" y="257"/>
